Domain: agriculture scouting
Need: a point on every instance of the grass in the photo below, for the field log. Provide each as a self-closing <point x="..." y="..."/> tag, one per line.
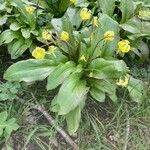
<point x="104" y="126"/>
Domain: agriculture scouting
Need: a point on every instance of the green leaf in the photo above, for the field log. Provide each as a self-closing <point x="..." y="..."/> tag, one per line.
<point x="105" y="6"/>
<point x="137" y="90"/>
<point x="3" y="117"/>
<point x="7" y="36"/>
<point x="67" y="26"/>
<point x="18" y="47"/>
<point x="29" y="19"/>
<point x="107" y="69"/>
<point x="29" y="70"/>
<point x="141" y="49"/>
<point x="101" y="87"/>
<point x="63" y="5"/>
<point x="73" y="120"/>
<point x="3" y="20"/>
<point x="1" y="132"/>
<point x="127" y="8"/>
<point x="25" y="33"/>
<point x="10" y="126"/>
<point x="71" y="94"/>
<point x="97" y="94"/>
<point x="60" y="73"/>
<point x="137" y="27"/>
<point x="102" y="48"/>
<point x="7" y="126"/>
<point x="58" y="7"/>
<point x="15" y="26"/>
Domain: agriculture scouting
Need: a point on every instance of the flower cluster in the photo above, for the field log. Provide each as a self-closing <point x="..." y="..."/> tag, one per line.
<point x="109" y="36"/>
<point x="144" y="13"/>
<point x="96" y="22"/>
<point x="39" y="53"/>
<point x="85" y="14"/>
<point x="64" y="36"/>
<point x="73" y="1"/>
<point x="124" y="46"/>
<point x="123" y="82"/>
<point x="30" y="9"/>
<point x="47" y="35"/>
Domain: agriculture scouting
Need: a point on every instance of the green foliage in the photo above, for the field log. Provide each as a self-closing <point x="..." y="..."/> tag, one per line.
<point x="30" y="70"/>
<point x="9" y="91"/>
<point x="21" y="26"/>
<point x="57" y="7"/>
<point x="137" y="90"/>
<point x="127" y="6"/>
<point x="7" y="125"/>
<point x="87" y="64"/>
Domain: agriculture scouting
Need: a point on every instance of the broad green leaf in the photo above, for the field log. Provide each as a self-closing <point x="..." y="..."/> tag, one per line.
<point x="71" y="94"/>
<point x="60" y="73"/>
<point x="29" y="70"/>
<point x="127" y="8"/>
<point x="3" y="20"/>
<point x="101" y="87"/>
<point x="1" y="132"/>
<point x="102" y="48"/>
<point x="63" y="5"/>
<point x="107" y="69"/>
<point x="141" y="49"/>
<point x="58" y="7"/>
<point x="3" y="117"/>
<point x="10" y="126"/>
<point x="73" y="120"/>
<point x="25" y="33"/>
<point x="137" y="90"/>
<point x="7" y="36"/>
<point x="18" y="47"/>
<point x="57" y="23"/>
<point x="97" y="94"/>
<point x="105" y="6"/>
<point x="67" y="26"/>
<point x="74" y="17"/>
<point x="15" y="26"/>
<point x="137" y="27"/>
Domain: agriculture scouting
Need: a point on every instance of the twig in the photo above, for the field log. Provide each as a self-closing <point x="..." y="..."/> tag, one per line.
<point x="127" y="130"/>
<point x="59" y="129"/>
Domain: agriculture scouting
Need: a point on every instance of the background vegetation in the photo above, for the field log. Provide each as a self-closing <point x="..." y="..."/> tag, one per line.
<point x="77" y="46"/>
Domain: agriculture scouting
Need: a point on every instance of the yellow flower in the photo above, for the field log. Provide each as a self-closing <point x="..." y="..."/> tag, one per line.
<point x="30" y="9"/>
<point x="109" y="35"/>
<point x="123" y="82"/>
<point x="82" y="58"/>
<point x="123" y="46"/>
<point x="46" y="35"/>
<point x="64" y="36"/>
<point x="90" y="74"/>
<point x="96" y="22"/>
<point x="51" y="50"/>
<point x="39" y="53"/>
<point x="85" y="14"/>
<point x="144" y="13"/>
<point x="73" y="1"/>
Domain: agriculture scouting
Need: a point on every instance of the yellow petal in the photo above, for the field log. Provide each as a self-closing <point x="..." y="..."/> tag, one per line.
<point x="109" y="35"/>
<point x="65" y="36"/>
<point x="29" y="9"/>
<point x="85" y="14"/>
<point x="39" y="53"/>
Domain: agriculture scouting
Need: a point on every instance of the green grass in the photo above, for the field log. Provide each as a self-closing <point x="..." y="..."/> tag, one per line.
<point x="103" y="126"/>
